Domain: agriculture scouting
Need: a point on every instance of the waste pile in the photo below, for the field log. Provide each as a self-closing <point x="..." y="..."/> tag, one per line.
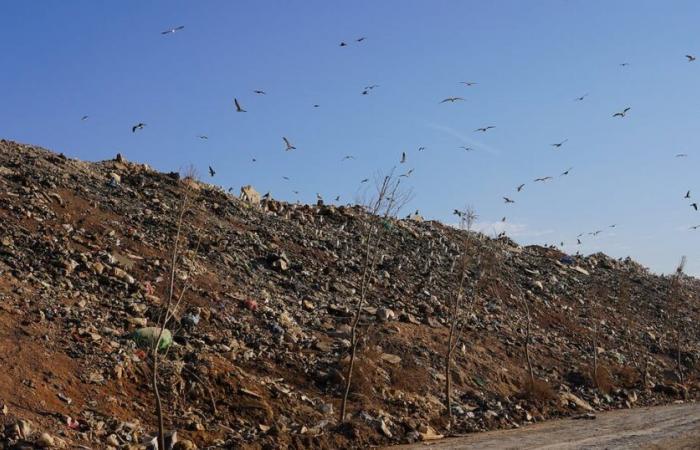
<point x="256" y="355"/>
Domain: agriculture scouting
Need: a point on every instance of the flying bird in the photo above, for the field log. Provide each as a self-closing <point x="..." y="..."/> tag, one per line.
<point x="595" y="233"/>
<point x="360" y="39"/>
<point x="681" y="155"/>
<point x="316" y="106"/>
<point x="559" y="144"/>
<point x="467" y="83"/>
<point x="687" y="195"/>
<point x="371" y="86"/>
<point x="407" y="174"/>
<point x="285" y="178"/>
<point x="172" y="30"/>
<point x="485" y="129"/>
<point x="543" y="179"/>
<point x="403" y="157"/>
<point x="452" y="99"/>
<point x="578" y="99"/>
<point x="691" y="58"/>
<point x="612" y="226"/>
<point x="507" y="200"/>
<point x="468" y="149"/>
<point x="347" y="157"/>
<point x="695" y="206"/>
<point x="503" y="219"/>
<point x="364" y="180"/>
<point x="337" y="198"/>
<point x="578" y="241"/>
<point x="624" y="64"/>
<point x="212" y="172"/>
<point x="288" y="144"/>
<point x="694" y="227"/>
<point x="520" y="188"/>
<point x="203" y="137"/>
<point x="258" y="91"/>
<point x="420" y="149"/>
<point x="343" y="44"/>
<point x="566" y="172"/>
<point x="622" y="113"/>
<point x="138" y="126"/>
<point x="238" y="106"/>
<point x="85" y="118"/>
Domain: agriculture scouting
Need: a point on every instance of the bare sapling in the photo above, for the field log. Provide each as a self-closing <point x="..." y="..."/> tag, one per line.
<point x="387" y="201"/>
<point x="170" y="307"/>
<point x="640" y="358"/>
<point x="457" y="312"/>
<point x="675" y="301"/>
<point x="593" y="313"/>
<point x="528" y="332"/>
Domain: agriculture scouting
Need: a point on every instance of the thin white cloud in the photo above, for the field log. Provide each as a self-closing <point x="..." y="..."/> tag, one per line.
<point x="464" y="139"/>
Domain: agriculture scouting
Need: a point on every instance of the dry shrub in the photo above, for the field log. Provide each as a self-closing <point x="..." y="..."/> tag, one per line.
<point x="627" y="377"/>
<point x="539" y="391"/>
<point x="410" y="378"/>
<point x="363" y="373"/>
<point x="605" y="382"/>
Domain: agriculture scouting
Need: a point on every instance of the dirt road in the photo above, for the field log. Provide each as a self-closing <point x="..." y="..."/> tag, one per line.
<point x="666" y="427"/>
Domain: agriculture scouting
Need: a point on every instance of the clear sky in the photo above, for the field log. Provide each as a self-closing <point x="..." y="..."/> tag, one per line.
<point x="109" y="60"/>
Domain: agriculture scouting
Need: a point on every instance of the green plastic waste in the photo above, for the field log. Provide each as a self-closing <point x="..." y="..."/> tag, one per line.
<point x="146" y="337"/>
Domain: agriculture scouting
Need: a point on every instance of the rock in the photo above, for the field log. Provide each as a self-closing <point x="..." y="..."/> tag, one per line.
<point x="250" y="195"/>
<point x="427" y="433"/>
<point x="308" y="305"/>
<point x="112" y="440"/>
<point x="580" y="269"/>
<point x="391" y="359"/>
<point x="122" y="275"/>
<point x="385" y="314"/>
<point x="184" y="444"/>
<point x="24" y="427"/>
<point x="567" y="397"/>
<point x="385" y="429"/>
<point x="45" y="440"/>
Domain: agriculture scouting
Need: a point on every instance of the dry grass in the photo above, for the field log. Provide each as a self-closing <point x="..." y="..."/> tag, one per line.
<point x="410" y="378"/>
<point x="604" y="382"/>
<point x="627" y="377"/>
<point x="539" y="391"/>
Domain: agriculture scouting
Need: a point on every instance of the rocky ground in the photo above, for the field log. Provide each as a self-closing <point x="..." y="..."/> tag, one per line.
<point x="261" y="342"/>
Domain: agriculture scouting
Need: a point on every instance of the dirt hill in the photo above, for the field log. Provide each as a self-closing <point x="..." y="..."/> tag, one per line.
<point x="261" y="342"/>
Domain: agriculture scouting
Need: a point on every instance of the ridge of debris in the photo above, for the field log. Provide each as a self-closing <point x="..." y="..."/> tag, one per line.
<point x="256" y="357"/>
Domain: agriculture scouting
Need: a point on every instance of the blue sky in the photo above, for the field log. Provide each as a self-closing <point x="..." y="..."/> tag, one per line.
<point x="108" y="60"/>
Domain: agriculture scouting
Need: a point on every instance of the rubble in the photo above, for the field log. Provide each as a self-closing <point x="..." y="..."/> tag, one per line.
<point x="255" y="357"/>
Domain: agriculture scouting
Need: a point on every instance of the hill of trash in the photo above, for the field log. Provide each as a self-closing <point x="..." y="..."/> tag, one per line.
<point x="256" y="356"/>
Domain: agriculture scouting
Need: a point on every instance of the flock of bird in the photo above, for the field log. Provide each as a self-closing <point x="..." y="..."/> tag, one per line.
<point x="288" y="146"/>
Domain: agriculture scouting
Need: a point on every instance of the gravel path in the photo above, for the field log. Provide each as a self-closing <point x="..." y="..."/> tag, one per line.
<point x="665" y="427"/>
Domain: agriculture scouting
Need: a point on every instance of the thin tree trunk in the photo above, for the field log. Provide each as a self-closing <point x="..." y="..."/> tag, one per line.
<point x="159" y="404"/>
<point x="678" y="357"/>
<point x="448" y="376"/>
<point x="527" y="354"/>
<point x="369" y="265"/>
<point x="595" y="357"/>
